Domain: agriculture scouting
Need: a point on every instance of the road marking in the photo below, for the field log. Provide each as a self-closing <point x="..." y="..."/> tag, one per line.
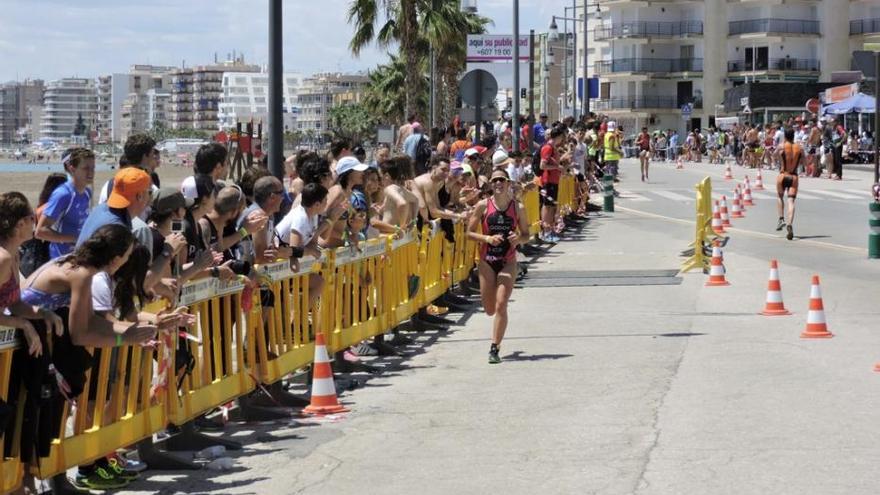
<point x="860" y="192"/>
<point x="833" y="194"/>
<point x="826" y="245"/>
<point x="674" y="196"/>
<point x="631" y="196"/>
<point x="759" y="195"/>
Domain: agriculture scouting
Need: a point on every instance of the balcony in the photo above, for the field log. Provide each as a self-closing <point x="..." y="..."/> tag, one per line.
<point x="636" y="103"/>
<point x="773" y="26"/>
<point x="775" y="64"/>
<point x="649" y="29"/>
<point x="864" y="26"/>
<point x="648" y="65"/>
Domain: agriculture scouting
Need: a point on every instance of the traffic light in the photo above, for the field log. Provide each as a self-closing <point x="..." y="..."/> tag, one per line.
<point x="523" y="93"/>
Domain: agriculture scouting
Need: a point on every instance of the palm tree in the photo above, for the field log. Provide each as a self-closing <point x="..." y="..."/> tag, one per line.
<point x="385" y="94"/>
<point x="401" y="26"/>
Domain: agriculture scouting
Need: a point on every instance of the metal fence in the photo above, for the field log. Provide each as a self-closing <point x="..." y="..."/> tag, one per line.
<point x="789" y="26"/>
<point x="776" y="64"/>
<point x="636" y="102"/>
<point x="649" y="65"/>
<point x="649" y="28"/>
<point x="864" y="26"/>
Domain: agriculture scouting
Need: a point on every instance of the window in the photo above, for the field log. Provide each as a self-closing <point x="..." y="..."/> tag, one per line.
<point x="240" y="81"/>
<point x="605" y="90"/>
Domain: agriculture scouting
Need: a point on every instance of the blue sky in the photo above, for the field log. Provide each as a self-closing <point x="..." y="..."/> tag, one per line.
<point x="50" y="39"/>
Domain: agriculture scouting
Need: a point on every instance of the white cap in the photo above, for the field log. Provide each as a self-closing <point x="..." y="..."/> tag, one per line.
<point x="612" y="125"/>
<point x="188" y="188"/>
<point x="348" y="163"/>
<point x="500" y="158"/>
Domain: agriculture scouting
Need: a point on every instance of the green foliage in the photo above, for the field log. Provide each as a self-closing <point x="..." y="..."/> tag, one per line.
<point x="161" y="132"/>
<point x="354" y="122"/>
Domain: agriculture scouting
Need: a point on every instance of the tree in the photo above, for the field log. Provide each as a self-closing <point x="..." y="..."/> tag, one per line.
<point x="385" y="96"/>
<point x="353" y="122"/>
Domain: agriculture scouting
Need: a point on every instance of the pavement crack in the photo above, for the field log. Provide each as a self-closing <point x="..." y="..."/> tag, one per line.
<point x="642" y="483"/>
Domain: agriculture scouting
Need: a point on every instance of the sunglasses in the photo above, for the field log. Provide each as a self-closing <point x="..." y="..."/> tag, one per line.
<point x="495" y="180"/>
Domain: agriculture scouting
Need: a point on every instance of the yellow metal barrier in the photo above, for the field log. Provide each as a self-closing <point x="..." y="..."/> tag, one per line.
<point x="220" y="372"/>
<point x="122" y="413"/>
<point x="11" y="468"/>
<point x="365" y="293"/>
<point x="566" y="199"/>
<point x="702" y="226"/>
<point x="532" y="203"/>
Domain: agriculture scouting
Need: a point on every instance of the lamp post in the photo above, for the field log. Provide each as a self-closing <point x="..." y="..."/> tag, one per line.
<point x="554" y="36"/>
<point x="276" y="98"/>
<point x="515" y="134"/>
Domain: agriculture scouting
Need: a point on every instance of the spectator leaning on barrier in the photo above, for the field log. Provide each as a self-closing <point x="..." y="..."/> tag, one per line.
<point x="349" y="174"/>
<point x="227" y="208"/>
<point x="68" y="205"/>
<point x="299" y="228"/>
<point x="129" y="198"/>
<point x="260" y="248"/>
<point x="401" y="206"/>
<point x="210" y="160"/>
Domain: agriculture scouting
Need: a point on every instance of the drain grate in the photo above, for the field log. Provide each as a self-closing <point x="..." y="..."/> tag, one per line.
<point x="601" y="278"/>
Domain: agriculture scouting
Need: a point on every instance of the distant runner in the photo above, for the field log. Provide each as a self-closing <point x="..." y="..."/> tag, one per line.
<point x="792" y="158"/>
<point x="500" y="223"/>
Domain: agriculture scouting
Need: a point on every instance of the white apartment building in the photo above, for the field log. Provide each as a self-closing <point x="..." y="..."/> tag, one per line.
<point x="118" y="93"/>
<point x="64" y="101"/>
<point x="321" y="92"/>
<point x="196" y="92"/>
<point x="245" y="97"/>
<point x="653" y="57"/>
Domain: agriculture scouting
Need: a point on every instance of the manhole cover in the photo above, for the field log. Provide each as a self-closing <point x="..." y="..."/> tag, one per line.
<point x="596" y="278"/>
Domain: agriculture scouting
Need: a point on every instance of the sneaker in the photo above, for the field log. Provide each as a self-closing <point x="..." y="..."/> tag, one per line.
<point x="350" y="357"/>
<point x="780" y="225"/>
<point x="494" y="358"/>
<point x="119" y="472"/>
<point x="790" y="234"/>
<point x="100" y="479"/>
<point x="129" y="464"/>
<point x="364" y="349"/>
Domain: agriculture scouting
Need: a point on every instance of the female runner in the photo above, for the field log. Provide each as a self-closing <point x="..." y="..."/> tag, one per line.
<point x="499" y="222"/>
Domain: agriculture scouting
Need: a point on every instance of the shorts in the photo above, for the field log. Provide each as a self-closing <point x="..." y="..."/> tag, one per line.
<point x="787" y="182"/>
<point x="550" y="194"/>
<point x="497" y="264"/>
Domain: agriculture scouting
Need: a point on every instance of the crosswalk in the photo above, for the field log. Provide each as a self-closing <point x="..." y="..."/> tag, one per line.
<point x="684" y="195"/>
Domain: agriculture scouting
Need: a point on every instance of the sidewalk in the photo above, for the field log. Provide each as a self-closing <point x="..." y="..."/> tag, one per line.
<point x="621" y="389"/>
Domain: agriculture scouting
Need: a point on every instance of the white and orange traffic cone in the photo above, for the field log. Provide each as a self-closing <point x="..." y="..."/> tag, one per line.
<point x="816" y="326"/>
<point x="774" y="305"/>
<point x="728" y="175"/>
<point x="759" y="181"/>
<point x="716" y="268"/>
<point x="722" y="209"/>
<point x="717" y="224"/>
<point x="747" y="194"/>
<point x="323" y="388"/>
<point x="736" y="210"/>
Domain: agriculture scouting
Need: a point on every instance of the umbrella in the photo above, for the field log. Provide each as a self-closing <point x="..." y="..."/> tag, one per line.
<point x="858" y="103"/>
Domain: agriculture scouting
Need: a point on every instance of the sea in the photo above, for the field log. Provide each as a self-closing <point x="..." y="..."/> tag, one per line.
<point x="43" y="168"/>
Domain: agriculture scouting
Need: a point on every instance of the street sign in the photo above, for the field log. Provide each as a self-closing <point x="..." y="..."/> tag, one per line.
<point x="385" y="134"/>
<point x="468" y="114"/>
<point x="496" y="48"/>
<point x="687" y="109"/>
<point x="812" y="105"/>
<point x="476" y="92"/>
<point x="747" y="110"/>
<point x="744" y="101"/>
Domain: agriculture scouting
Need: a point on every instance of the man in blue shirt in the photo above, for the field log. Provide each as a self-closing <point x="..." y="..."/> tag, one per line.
<point x="68" y="206"/>
<point x="129" y="198"/>
<point x="539" y="130"/>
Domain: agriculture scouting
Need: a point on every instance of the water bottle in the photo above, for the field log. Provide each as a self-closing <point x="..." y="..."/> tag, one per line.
<point x="211" y="452"/>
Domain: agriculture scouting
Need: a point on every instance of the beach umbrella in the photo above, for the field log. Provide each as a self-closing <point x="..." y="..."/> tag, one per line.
<point x="857" y="103"/>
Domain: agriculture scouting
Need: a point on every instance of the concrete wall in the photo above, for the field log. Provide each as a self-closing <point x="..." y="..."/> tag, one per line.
<point x="834" y="49"/>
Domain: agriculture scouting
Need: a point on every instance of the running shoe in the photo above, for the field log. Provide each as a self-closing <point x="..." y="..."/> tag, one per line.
<point x="790" y="234"/>
<point x="494" y="358"/>
<point x="780" y="225"/>
<point x="128" y="463"/>
<point x="100" y="479"/>
<point x="364" y="349"/>
<point x="350" y="357"/>
<point x="120" y="472"/>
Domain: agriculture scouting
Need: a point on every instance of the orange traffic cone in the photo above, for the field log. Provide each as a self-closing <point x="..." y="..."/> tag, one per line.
<point x="323" y="388"/>
<point x="759" y="181"/>
<point x="774" y="305"/>
<point x="816" y="327"/>
<point x="716" y="269"/>
<point x="736" y="211"/>
<point x="728" y="175"/>
<point x="717" y="224"/>
<point x="747" y="194"/>
<point x="722" y="209"/>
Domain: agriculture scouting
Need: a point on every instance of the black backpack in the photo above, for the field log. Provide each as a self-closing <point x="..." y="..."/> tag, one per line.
<point x="423" y="151"/>
<point x="32" y="255"/>
<point x="536" y="162"/>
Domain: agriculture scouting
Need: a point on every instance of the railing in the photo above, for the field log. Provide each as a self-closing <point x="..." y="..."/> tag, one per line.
<point x="649" y="28"/>
<point x="775" y="64"/>
<point x="656" y="65"/>
<point x="864" y="26"/>
<point x="787" y="26"/>
<point x="234" y="347"/>
<point x="636" y="102"/>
